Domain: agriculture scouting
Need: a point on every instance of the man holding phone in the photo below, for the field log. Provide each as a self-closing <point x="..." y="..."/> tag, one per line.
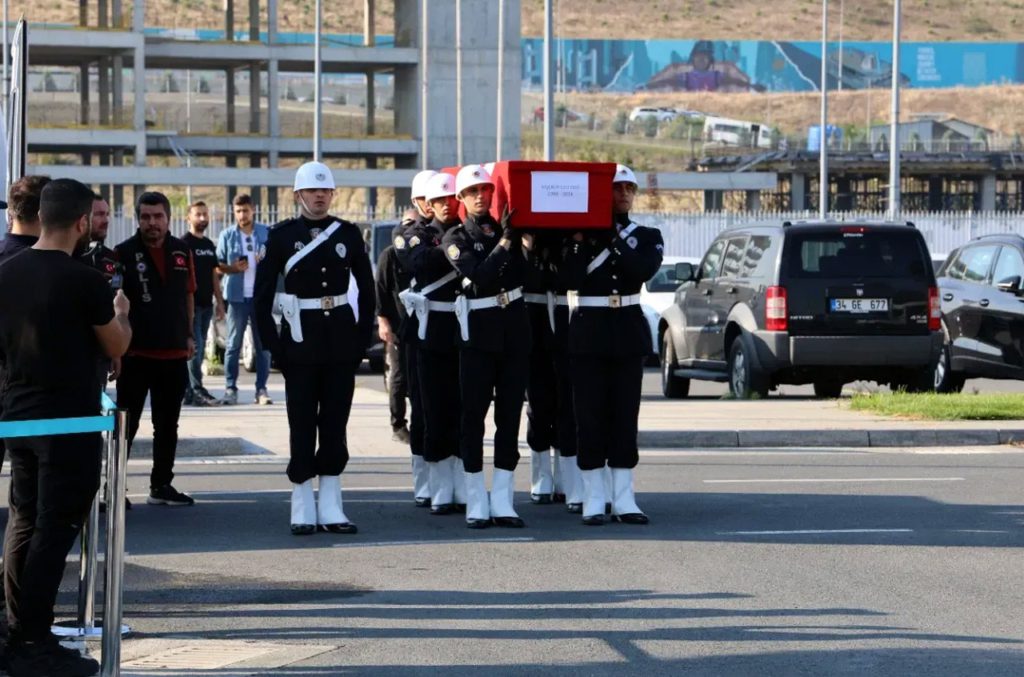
<point x="239" y="250"/>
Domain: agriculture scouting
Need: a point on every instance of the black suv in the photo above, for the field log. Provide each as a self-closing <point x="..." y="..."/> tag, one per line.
<point x="819" y="302"/>
<point x="982" y="312"/>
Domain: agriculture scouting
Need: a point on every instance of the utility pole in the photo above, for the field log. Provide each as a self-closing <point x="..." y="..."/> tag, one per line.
<point x="317" y="100"/>
<point x="823" y="184"/>
<point x="459" y="147"/>
<point x="549" y="96"/>
<point x="500" y="123"/>
<point x="894" y="129"/>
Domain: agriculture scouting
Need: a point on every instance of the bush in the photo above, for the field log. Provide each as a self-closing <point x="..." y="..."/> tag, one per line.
<point x="621" y="122"/>
<point x="650" y="126"/>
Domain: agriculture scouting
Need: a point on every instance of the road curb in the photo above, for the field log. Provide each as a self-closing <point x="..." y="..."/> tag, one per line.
<point x="703" y="439"/>
<point x="189" y="447"/>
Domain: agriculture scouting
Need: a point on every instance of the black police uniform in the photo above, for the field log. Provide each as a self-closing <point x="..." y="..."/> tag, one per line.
<point x="607" y="345"/>
<point x="494" y="361"/>
<point x="437" y="360"/>
<point x="541" y="394"/>
<point x="104" y="259"/>
<point x="320" y="370"/>
<point x="566" y="413"/>
<point x="392" y="278"/>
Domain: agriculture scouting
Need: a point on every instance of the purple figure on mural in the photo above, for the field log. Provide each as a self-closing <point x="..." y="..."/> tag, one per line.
<point x="701" y="73"/>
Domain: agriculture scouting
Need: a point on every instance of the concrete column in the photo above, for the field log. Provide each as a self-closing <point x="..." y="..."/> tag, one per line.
<point x="229" y="100"/>
<point x="229" y="20"/>
<point x="935" y="193"/>
<point x="101" y="14"/>
<point x="714" y="200"/>
<point x="843" y="199"/>
<point x="371" y="192"/>
<point x="83" y="104"/>
<point x="753" y="200"/>
<point x="273" y="93"/>
<point x="83" y="13"/>
<point x="798" y="192"/>
<point x="988" y="193"/>
<point x="272" y="160"/>
<point x="369" y="40"/>
<point x="139" y="73"/>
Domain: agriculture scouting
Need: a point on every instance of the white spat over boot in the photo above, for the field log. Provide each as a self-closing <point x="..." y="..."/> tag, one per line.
<point x="557" y="480"/>
<point x="303" y="509"/>
<point x="542" y="482"/>
<point x="459" y="476"/>
<point x="502" y="491"/>
<point x="442" y="488"/>
<point x="478" y="511"/>
<point x="572" y="481"/>
<point x="593" y="497"/>
<point x="624" y="507"/>
<point x="608" y="490"/>
<point x="330" y="513"/>
<point x="420" y="482"/>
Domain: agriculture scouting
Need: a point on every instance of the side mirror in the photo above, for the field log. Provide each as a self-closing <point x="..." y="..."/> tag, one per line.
<point x="685" y="272"/>
<point x="1010" y="285"/>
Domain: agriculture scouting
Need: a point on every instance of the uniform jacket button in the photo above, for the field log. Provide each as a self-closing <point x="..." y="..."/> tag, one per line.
<point x="323" y="284"/>
<point x="327" y="313"/>
<point x="323" y="270"/>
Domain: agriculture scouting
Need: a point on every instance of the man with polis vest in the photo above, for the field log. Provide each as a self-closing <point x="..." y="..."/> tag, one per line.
<point x="159" y="280"/>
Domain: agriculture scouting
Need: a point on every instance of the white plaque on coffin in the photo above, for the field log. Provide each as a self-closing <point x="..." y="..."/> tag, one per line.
<point x="559" y="192"/>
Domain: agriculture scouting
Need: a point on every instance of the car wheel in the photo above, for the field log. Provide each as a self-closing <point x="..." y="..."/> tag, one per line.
<point x="672" y="386"/>
<point x="944" y="379"/>
<point x="830" y="390"/>
<point x="746" y="380"/>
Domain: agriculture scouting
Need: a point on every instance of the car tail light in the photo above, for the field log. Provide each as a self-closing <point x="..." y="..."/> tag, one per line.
<point x="775" y="311"/>
<point x="934" y="310"/>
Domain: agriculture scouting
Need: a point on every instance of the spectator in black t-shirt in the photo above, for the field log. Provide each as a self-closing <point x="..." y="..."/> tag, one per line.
<point x="23" y="209"/>
<point x="56" y="320"/>
<point x="392" y="279"/>
<point x="208" y="299"/>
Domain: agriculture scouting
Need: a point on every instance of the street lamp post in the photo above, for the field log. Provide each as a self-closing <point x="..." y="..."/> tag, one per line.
<point x="317" y="101"/>
<point x="823" y="186"/>
<point x="500" y="122"/>
<point x="549" y="97"/>
<point x="894" y="128"/>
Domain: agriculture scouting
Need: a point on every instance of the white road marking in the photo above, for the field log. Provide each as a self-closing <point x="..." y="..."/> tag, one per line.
<point x="837" y="480"/>
<point x="814" y="532"/>
<point x="450" y="541"/>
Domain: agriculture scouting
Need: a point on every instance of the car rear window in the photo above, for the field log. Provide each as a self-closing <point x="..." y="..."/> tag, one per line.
<point x="856" y="252"/>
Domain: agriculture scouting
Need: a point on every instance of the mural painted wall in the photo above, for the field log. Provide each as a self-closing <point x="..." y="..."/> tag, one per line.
<point x="733" y="65"/>
<point x="772" y="66"/>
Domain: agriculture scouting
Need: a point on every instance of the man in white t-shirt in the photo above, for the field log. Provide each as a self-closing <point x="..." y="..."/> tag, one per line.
<point x="239" y="250"/>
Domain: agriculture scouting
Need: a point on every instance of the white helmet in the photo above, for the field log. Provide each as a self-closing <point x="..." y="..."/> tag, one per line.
<point x="471" y="175"/>
<point x="439" y="186"/>
<point x="624" y="174"/>
<point x="419" y="182"/>
<point x="314" y="175"/>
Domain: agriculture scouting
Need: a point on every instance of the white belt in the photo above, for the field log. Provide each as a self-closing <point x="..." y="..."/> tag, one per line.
<point x="612" y="301"/>
<point x="290" y="305"/>
<point x="550" y="300"/>
<point x="464" y="305"/>
<point x="497" y="301"/>
<point x="323" y="303"/>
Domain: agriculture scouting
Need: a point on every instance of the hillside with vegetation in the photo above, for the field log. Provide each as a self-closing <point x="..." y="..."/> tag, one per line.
<point x="926" y="20"/>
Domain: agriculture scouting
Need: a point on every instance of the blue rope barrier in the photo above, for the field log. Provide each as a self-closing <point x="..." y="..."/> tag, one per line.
<point x="63" y="426"/>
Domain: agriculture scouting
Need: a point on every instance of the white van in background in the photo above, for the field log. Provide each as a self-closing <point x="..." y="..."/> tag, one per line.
<point x="728" y="132"/>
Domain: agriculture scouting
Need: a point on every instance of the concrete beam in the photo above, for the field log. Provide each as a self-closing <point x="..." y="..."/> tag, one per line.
<point x="220" y="176"/>
<point x="74" y="140"/>
<point x="163" y="53"/>
<point x="53" y="47"/>
<point x="709" y="180"/>
<point x="285" y="146"/>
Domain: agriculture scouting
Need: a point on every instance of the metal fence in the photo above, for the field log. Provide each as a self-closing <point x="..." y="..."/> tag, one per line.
<point x="686" y="234"/>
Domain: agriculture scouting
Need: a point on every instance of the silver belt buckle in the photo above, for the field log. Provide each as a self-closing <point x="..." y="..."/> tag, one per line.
<point x="502" y="299"/>
<point x="614" y="301"/>
<point x="327" y="303"/>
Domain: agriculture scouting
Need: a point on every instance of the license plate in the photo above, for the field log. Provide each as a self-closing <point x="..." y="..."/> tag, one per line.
<point x="859" y="305"/>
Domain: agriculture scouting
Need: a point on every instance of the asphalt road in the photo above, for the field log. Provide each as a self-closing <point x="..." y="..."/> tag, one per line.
<point x="755" y="563"/>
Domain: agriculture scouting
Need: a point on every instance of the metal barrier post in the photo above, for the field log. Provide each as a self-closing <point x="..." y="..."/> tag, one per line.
<point x="117" y="463"/>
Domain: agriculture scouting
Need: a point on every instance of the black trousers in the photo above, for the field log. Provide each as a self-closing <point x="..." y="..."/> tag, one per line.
<point x="319" y="400"/>
<point x="483" y="377"/>
<point x="438" y="383"/>
<point x="53" y="482"/>
<point x="542" y="402"/>
<point x="417" y="432"/>
<point x="566" y="426"/>
<point x="606" y="394"/>
<point x="164" y="382"/>
<point x="395" y="380"/>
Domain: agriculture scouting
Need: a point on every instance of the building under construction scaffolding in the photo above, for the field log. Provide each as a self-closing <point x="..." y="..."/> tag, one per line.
<point x="118" y="141"/>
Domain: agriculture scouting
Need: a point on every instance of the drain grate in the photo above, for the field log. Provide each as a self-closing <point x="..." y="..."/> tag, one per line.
<point x="203" y="656"/>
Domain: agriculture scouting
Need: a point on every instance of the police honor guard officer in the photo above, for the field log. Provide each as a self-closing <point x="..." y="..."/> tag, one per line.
<point x="608" y="340"/>
<point x="430" y="303"/>
<point x="494" y="344"/>
<point x="327" y="311"/>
